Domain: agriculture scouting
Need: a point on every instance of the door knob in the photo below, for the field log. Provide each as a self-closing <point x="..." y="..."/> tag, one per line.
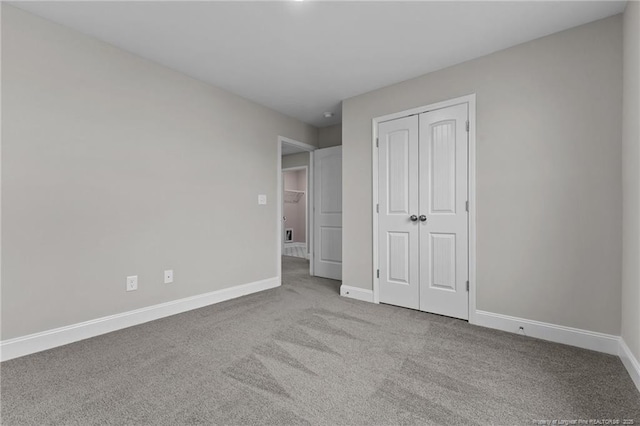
<point x="423" y="218"/>
<point x="413" y="218"/>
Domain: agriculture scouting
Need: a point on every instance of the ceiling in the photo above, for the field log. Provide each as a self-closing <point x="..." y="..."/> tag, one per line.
<point x="304" y="58"/>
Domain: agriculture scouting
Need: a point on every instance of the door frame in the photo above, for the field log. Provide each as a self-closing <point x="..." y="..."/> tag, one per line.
<point x="471" y="101"/>
<point x="279" y="195"/>
<point x="307" y="206"/>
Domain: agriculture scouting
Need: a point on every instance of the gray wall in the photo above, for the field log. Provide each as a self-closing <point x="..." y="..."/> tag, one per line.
<point x="295" y="160"/>
<point x="112" y="166"/>
<point x="548" y="174"/>
<point x="631" y="181"/>
<point x="330" y="136"/>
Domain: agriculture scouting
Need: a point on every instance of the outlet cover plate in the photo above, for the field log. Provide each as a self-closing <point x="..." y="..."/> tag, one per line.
<point x="132" y="283"/>
<point x="168" y="276"/>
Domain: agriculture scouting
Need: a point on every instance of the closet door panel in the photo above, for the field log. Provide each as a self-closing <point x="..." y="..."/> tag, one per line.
<point x="444" y="245"/>
<point x="398" y="201"/>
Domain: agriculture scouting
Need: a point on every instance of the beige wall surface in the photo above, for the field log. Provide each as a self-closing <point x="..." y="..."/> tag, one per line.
<point x="295" y="160"/>
<point x="330" y="136"/>
<point x="631" y="180"/>
<point x="113" y="166"/>
<point x="548" y="174"/>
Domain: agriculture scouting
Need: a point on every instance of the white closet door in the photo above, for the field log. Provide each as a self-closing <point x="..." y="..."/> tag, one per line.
<point x="444" y="234"/>
<point x="398" y="201"/>
<point x="328" y="213"/>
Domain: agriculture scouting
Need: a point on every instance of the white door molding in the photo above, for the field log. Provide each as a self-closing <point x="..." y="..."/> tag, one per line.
<point x="471" y="101"/>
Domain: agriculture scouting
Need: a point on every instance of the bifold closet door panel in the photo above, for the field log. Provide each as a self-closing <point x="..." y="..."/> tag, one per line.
<point x="398" y="202"/>
<point x="444" y="234"/>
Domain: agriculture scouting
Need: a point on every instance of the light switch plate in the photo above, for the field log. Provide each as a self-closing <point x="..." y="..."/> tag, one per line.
<point x="168" y="276"/>
<point x="262" y="199"/>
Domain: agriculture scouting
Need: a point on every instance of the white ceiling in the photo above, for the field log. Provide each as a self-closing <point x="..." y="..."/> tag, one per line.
<point x="304" y="58"/>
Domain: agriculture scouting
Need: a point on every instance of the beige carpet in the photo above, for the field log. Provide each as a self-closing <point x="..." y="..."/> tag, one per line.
<point x="300" y="354"/>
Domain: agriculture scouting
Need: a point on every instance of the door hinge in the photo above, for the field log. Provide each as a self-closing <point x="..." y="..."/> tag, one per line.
<point x="467" y="125"/>
<point x="467" y="285"/>
<point x="377" y="142"/>
<point x="467" y="206"/>
<point x="378" y="273"/>
<point x="377" y="208"/>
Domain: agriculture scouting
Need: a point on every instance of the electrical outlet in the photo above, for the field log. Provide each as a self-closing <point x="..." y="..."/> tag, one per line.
<point x="262" y="199"/>
<point x="168" y="276"/>
<point x="132" y="283"/>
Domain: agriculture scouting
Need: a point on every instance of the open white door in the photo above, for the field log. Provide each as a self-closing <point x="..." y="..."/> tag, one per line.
<point x="327" y="253"/>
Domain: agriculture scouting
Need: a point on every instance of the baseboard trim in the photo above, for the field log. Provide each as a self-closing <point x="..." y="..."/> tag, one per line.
<point x="301" y="245"/>
<point x="630" y="362"/>
<point x="356" y="293"/>
<point x="37" y="342"/>
<point x="592" y="340"/>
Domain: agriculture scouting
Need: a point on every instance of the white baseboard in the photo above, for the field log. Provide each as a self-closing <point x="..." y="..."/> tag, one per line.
<point x="296" y="245"/>
<point x="600" y="342"/>
<point x="301" y="245"/>
<point x="630" y="362"/>
<point x="356" y="293"/>
<point x="32" y="343"/>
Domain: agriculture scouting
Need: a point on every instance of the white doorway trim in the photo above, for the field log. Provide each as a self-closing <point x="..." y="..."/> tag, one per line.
<point x="305" y="147"/>
<point x="471" y="101"/>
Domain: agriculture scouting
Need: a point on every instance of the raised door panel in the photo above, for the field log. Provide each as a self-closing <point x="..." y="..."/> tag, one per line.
<point x="330" y="244"/>
<point x="442" y="146"/>
<point x="330" y="172"/>
<point x="398" y="172"/>
<point x="442" y="257"/>
<point x="398" y="257"/>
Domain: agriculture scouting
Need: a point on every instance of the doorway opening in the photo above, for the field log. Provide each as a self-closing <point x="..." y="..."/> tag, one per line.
<point x="295" y="212"/>
<point x="295" y="202"/>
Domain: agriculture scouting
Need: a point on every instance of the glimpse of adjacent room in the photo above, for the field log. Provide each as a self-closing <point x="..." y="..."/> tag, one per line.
<point x="310" y="204"/>
<point x="294" y="210"/>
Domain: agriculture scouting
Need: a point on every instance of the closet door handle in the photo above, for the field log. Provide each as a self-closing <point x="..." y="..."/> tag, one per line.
<point x="413" y="218"/>
<point x="423" y="218"/>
